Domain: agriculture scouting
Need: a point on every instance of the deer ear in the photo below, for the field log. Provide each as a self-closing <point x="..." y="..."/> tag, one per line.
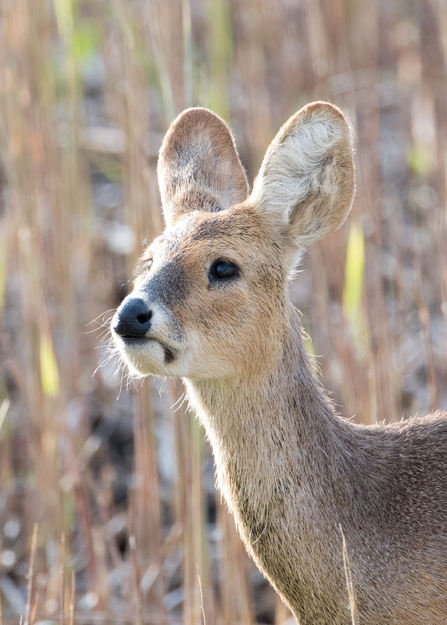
<point x="199" y="167"/>
<point x="306" y="182"/>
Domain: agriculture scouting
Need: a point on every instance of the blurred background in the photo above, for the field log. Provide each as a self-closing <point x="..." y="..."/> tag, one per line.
<point x="108" y="512"/>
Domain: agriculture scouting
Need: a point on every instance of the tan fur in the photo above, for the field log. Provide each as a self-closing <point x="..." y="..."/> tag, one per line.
<point x="291" y="471"/>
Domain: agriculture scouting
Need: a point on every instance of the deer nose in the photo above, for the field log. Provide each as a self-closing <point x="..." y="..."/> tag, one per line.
<point x="132" y="319"/>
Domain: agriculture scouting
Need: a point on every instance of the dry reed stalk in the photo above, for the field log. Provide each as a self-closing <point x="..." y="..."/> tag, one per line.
<point x="62" y="579"/>
<point x="156" y="31"/>
<point x="283" y="615"/>
<point x="30" y="594"/>
<point x="133" y="546"/>
<point x="229" y="605"/>
<point x="250" y="65"/>
<point x="34" y="610"/>
<point x="382" y="370"/>
<point x="139" y="213"/>
<point x="72" y="599"/>
<point x="199" y="579"/>
<point x="424" y="316"/>
<point x="191" y="511"/>
<point x="349" y="583"/>
<point x="146" y="500"/>
<point x="237" y="602"/>
<point x="187" y="53"/>
<point x="318" y="47"/>
<point x="84" y="519"/>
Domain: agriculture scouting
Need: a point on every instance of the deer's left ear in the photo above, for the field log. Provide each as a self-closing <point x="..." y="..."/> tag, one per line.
<point x="306" y="182"/>
<point x="199" y="167"/>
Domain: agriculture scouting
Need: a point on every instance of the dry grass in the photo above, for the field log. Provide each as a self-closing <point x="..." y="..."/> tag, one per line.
<point x="87" y="89"/>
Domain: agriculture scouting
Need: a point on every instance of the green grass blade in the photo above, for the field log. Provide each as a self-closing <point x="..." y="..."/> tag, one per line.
<point x="355" y="264"/>
<point x="64" y="17"/>
<point x="48" y="367"/>
<point x="353" y="288"/>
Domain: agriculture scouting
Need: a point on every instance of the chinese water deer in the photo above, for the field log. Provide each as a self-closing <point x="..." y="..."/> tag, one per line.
<point x="211" y="305"/>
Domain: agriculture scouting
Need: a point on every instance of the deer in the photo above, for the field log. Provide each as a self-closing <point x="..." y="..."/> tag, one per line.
<point x="210" y="305"/>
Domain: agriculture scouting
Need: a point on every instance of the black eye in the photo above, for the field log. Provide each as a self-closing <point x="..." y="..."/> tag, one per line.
<point x="222" y="269"/>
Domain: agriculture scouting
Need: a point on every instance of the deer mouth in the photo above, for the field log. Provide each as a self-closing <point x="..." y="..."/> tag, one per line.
<point x="142" y="341"/>
<point x="134" y="340"/>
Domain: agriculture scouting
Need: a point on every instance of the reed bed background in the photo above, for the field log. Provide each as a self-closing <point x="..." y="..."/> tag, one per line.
<point x="108" y="512"/>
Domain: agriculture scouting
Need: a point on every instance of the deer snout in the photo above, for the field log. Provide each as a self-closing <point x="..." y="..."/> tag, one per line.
<point x="132" y="320"/>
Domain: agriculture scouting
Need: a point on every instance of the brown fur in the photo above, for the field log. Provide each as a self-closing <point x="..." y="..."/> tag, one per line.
<point x="291" y="471"/>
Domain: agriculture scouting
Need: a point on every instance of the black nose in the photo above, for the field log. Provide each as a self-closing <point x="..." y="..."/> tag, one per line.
<point x="132" y="319"/>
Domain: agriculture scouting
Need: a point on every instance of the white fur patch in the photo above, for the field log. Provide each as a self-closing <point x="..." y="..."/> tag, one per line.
<point x="306" y="182"/>
<point x="292" y="170"/>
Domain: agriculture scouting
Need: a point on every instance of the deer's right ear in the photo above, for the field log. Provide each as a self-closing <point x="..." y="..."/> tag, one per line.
<point x="306" y="182"/>
<point x="198" y="166"/>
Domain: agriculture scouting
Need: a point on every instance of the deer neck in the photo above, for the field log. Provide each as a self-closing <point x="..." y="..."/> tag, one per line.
<point x="272" y="435"/>
<point x="284" y="467"/>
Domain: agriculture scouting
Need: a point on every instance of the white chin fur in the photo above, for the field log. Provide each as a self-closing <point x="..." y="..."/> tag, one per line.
<point x="142" y="360"/>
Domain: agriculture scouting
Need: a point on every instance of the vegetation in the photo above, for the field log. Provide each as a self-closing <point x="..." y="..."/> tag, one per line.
<point x="107" y="504"/>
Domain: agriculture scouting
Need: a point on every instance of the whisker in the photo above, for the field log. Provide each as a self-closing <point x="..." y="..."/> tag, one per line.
<point x="184" y="399"/>
<point x="107" y="315"/>
<point x="181" y="399"/>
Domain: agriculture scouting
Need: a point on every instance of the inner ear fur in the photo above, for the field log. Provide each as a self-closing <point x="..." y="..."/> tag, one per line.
<point x="199" y="167"/>
<point x="306" y="182"/>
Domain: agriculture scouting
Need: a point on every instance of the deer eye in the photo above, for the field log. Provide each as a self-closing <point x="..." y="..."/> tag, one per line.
<point x="222" y="269"/>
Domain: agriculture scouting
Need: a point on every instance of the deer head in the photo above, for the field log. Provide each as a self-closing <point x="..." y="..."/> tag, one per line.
<point x="210" y="297"/>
